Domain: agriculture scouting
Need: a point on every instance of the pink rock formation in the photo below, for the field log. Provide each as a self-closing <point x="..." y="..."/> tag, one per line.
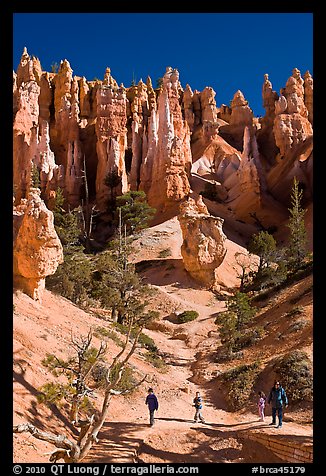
<point x="140" y="111"/>
<point x="241" y="116"/>
<point x="159" y="140"/>
<point x="171" y="162"/>
<point x="65" y="136"/>
<point x="208" y="105"/>
<point x="31" y="140"/>
<point x="224" y="112"/>
<point x="291" y="124"/>
<point x="203" y="248"/>
<point x="25" y="137"/>
<point x="37" y="248"/>
<point x="308" y="94"/>
<point x="293" y="136"/>
<point x="250" y="184"/>
<point x="269" y="99"/>
<point x="189" y="107"/>
<point x="29" y="69"/>
<point x="111" y="134"/>
<point x="84" y="97"/>
<point x="15" y="93"/>
<point x="46" y="96"/>
<point x="241" y="112"/>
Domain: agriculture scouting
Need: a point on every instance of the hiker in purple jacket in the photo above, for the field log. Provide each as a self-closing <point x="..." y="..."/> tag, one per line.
<point x="152" y="403"/>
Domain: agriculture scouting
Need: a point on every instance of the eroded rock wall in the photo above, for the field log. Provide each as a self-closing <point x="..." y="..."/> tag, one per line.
<point x="152" y="139"/>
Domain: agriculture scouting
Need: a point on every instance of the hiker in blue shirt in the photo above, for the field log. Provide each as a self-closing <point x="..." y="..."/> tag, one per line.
<point x="277" y="398"/>
<point x="152" y="403"/>
<point x="198" y="406"/>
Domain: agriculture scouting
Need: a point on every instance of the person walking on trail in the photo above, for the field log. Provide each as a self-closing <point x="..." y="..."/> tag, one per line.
<point x="261" y="405"/>
<point x="152" y="403"/>
<point x="198" y="404"/>
<point x="277" y="398"/>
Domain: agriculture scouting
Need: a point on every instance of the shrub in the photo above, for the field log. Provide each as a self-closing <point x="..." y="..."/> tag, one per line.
<point x="157" y="361"/>
<point x="102" y="331"/>
<point x="225" y="354"/>
<point x="187" y="316"/>
<point x="165" y="253"/>
<point x="247" y="338"/>
<point x="144" y="340"/>
<point x="210" y="192"/>
<point x="295" y="373"/>
<point x="297" y="325"/>
<point x="147" y="342"/>
<point x="295" y="311"/>
<point x="73" y="279"/>
<point x="240" y="381"/>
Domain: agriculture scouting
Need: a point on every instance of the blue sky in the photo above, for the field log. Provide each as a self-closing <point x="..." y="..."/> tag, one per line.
<point x="227" y="51"/>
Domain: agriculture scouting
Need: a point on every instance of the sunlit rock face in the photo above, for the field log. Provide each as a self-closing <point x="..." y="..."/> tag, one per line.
<point x="293" y="134"/>
<point x="172" y="156"/>
<point x="111" y="135"/>
<point x="164" y="140"/>
<point x="37" y="249"/>
<point x="203" y="248"/>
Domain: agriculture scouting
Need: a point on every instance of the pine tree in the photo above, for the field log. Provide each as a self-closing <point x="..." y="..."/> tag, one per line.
<point x="234" y="320"/>
<point x="264" y="246"/>
<point x="298" y="235"/>
<point x="112" y="180"/>
<point x="35" y="177"/>
<point x="66" y="223"/>
<point x="135" y="211"/>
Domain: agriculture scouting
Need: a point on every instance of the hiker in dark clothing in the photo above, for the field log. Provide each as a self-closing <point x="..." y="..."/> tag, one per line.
<point x="277" y="398"/>
<point x="152" y="403"/>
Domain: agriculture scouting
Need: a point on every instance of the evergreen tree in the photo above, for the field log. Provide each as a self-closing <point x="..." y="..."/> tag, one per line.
<point x="298" y="234"/>
<point x="271" y="265"/>
<point x="117" y="287"/>
<point x="66" y="223"/>
<point x="263" y="245"/>
<point x="112" y="180"/>
<point x="135" y="211"/>
<point x="54" y="67"/>
<point x="239" y="304"/>
<point x="234" y="320"/>
<point x="35" y="176"/>
<point x="159" y="83"/>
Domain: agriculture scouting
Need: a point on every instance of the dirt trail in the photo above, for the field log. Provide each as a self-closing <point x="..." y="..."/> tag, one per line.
<point x="175" y="437"/>
<point x="187" y="349"/>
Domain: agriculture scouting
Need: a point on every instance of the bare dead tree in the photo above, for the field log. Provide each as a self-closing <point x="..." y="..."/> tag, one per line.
<point x="87" y="211"/>
<point x="80" y="383"/>
<point x="247" y="263"/>
<point x="74" y="451"/>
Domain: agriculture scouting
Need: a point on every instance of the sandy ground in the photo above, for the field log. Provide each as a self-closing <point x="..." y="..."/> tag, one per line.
<point x="187" y="349"/>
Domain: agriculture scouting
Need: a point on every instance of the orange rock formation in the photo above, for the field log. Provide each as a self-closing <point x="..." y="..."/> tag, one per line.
<point x="168" y="141"/>
<point x="37" y="248"/>
<point x="203" y="248"/>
